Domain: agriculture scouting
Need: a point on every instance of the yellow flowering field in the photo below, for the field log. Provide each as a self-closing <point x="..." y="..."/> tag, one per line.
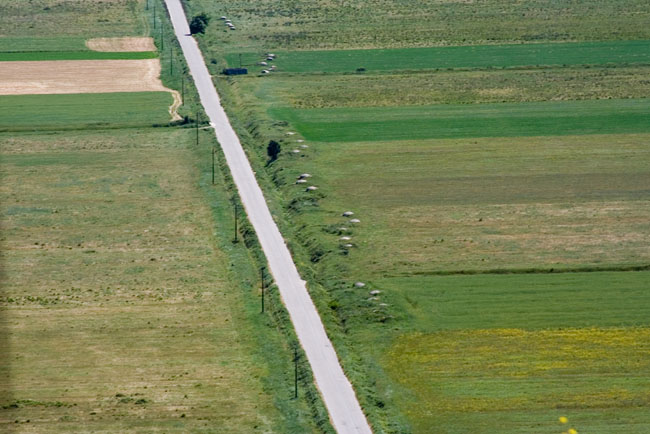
<point x="518" y="380"/>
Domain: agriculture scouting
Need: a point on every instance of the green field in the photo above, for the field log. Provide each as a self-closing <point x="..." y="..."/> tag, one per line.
<point x="527" y="301"/>
<point x="513" y="380"/>
<point x="486" y="352"/>
<point x="291" y="25"/>
<point x="119" y="311"/>
<point x="478" y="353"/>
<point x="71" y="18"/>
<point x="464" y="121"/>
<point x="54" y="30"/>
<point x="502" y="211"/>
<point x="10" y="44"/>
<point x="76" y="111"/>
<point x="523" y="349"/>
<point x="451" y="87"/>
<point x="74" y="55"/>
<point x="480" y="204"/>
<point x="482" y="56"/>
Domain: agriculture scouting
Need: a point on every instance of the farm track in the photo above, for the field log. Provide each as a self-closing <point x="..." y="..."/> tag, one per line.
<point x="173" y="109"/>
<point x="339" y="397"/>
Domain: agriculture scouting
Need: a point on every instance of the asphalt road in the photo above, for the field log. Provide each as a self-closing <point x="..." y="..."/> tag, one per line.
<point x="339" y="397"/>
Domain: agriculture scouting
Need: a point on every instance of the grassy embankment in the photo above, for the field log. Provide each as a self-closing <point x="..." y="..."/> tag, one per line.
<point x="489" y="352"/>
<point x="124" y="305"/>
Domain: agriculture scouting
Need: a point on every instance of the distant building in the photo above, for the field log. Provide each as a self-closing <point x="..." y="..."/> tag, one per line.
<point x="235" y="71"/>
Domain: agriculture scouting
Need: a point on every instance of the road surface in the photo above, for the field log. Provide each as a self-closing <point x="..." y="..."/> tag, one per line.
<point x="341" y="402"/>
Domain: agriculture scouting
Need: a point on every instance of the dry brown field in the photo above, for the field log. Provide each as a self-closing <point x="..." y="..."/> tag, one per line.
<point x="121" y="44"/>
<point x="80" y="76"/>
<point x="84" y="76"/>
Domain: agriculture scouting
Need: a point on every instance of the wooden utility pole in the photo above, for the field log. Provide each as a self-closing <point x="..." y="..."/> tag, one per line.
<point x="213" y="150"/>
<point x="262" y="279"/>
<point x="197" y="128"/>
<point x="295" y="372"/>
<point x="236" y="240"/>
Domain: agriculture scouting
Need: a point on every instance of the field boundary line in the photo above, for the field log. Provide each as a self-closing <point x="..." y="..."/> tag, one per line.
<point x="552" y="270"/>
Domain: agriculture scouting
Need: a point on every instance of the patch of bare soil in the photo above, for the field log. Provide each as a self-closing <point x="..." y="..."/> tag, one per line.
<point x="173" y="109"/>
<point x="121" y="44"/>
<point x="83" y="76"/>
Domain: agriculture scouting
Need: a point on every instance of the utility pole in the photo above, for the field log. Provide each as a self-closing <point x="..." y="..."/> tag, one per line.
<point x="182" y="90"/>
<point x="236" y="240"/>
<point x="197" y="128"/>
<point x="295" y="372"/>
<point x="262" y="279"/>
<point x="213" y="166"/>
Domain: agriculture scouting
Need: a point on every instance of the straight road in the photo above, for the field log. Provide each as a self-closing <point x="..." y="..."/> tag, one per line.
<point x="341" y="402"/>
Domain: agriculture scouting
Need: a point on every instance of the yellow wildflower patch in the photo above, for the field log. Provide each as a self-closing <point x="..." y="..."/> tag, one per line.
<point x="506" y="370"/>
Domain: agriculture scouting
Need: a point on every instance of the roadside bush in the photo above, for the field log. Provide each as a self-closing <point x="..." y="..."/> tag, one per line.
<point x="273" y="150"/>
<point x="199" y="23"/>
